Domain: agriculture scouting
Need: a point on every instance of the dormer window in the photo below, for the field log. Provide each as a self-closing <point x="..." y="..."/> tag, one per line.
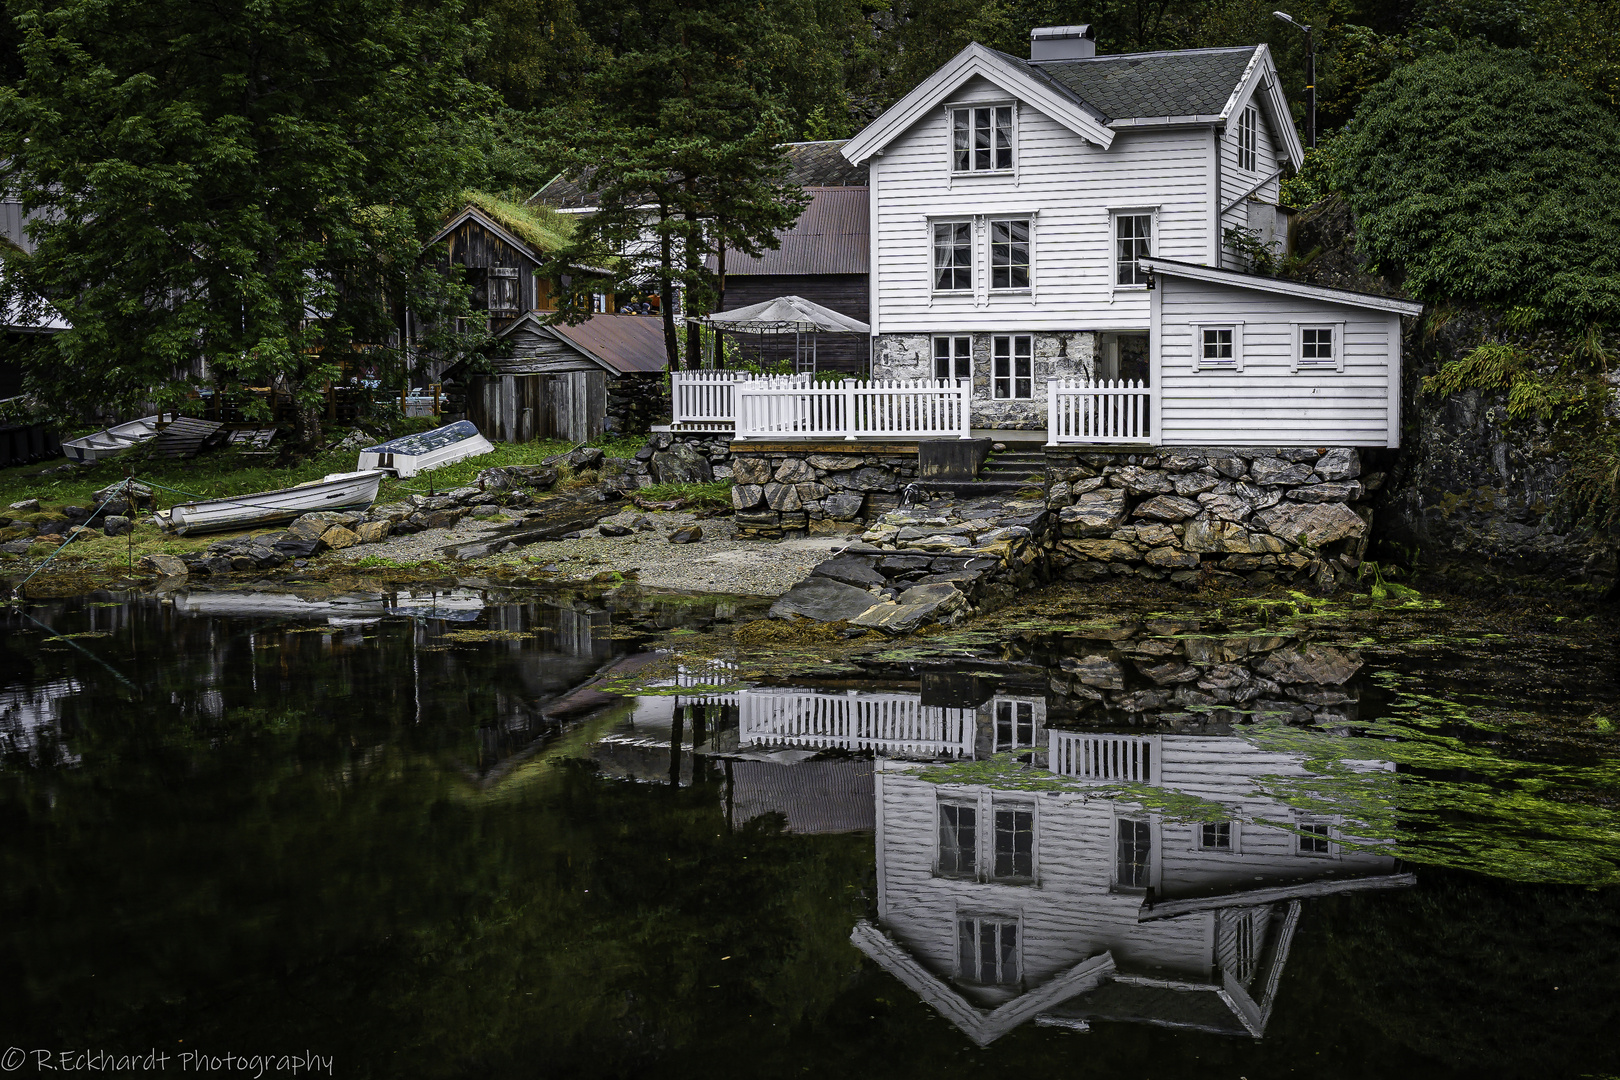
<point x="982" y="139"/>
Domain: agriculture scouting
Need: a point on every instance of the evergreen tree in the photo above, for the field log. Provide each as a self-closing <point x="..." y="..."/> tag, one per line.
<point x="243" y="183"/>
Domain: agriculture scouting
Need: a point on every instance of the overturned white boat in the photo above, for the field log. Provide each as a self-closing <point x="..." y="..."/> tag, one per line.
<point x="113" y="440"/>
<point x="337" y="491"/>
<point x="411" y="454"/>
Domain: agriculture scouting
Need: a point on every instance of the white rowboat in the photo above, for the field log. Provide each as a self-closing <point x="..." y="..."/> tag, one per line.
<point x="114" y="440"/>
<point x="338" y="491"/>
<point x="412" y="454"/>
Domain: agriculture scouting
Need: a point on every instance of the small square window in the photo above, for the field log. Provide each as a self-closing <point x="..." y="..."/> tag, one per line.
<point x="1314" y="839"/>
<point x="1316" y="345"/>
<point x="953" y="357"/>
<point x="1215" y="836"/>
<point x="1218" y="345"/>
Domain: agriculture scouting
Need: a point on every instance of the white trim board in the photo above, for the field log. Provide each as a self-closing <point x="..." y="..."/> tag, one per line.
<point x="1236" y="279"/>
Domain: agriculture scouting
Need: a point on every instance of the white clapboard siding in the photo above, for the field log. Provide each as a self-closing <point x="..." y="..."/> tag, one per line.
<point x="1235" y="180"/>
<point x="1072" y="184"/>
<point x="1071" y="915"/>
<point x="1267" y="403"/>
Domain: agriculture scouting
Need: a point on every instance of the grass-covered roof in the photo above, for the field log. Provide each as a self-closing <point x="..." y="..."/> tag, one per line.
<point x="541" y="227"/>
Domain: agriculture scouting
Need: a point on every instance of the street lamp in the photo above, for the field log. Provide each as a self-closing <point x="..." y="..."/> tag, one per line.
<point x="1310" y="77"/>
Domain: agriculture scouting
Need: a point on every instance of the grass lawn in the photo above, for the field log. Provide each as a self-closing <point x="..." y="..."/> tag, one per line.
<point x="224" y="472"/>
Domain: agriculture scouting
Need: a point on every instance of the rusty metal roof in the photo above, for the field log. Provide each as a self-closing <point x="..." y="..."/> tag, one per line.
<point x="626" y="343"/>
<point x="830" y="237"/>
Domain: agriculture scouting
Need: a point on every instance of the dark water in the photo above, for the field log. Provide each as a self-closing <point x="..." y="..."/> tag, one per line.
<point x="417" y="836"/>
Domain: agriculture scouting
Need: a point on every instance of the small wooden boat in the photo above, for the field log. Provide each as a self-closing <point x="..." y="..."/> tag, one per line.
<point x="412" y="454"/>
<point x="338" y="491"/>
<point x="113" y="440"/>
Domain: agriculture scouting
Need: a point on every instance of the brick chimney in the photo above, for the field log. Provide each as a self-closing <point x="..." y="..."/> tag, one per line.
<point x="1062" y="42"/>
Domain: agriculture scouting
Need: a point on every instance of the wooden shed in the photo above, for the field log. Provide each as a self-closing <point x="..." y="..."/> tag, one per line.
<point x="570" y="382"/>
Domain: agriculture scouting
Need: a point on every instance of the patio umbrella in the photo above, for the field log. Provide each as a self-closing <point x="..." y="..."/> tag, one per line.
<point x="784" y="315"/>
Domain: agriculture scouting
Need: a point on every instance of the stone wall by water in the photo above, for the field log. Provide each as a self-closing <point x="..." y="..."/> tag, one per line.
<point x="834" y="490"/>
<point x="1257" y="515"/>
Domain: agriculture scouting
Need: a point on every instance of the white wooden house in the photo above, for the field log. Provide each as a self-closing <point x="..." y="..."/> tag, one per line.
<point x="1036" y="231"/>
<point x="999" y="907"/>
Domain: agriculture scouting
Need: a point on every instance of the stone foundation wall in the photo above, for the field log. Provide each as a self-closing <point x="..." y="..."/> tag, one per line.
<point x="834" y="490"/>
<point x="635" y="403"/>
<point x="1057" y="355"/>
<point x="1258" y="515"/>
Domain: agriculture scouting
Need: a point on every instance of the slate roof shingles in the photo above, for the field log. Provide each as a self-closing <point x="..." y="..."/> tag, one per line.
<point x="1188" y="82"/>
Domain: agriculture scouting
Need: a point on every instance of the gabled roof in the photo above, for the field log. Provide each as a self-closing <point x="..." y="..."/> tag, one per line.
<point x="830" y="237"/>
<point x="472" y="213"/>
<point x="983" y="1026"/>
<point x="1016" y="76"/>
<point x="1110" y="92"/>
<point x="1282" y="286"/>
<point x="1188" y="82"/>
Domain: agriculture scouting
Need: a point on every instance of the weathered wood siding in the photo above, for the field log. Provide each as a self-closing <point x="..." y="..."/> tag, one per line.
<point x="1070" y="186"/>
<point x="1266" y="402"/>
<point x="848" y="294"/>
<point x="477" y="248"/>
<point x="519" y="408"/>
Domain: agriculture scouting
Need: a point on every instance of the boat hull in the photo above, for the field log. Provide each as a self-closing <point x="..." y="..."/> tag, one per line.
<point x="113" y="440"/>
<point x="413" y="454"/>
<point x="339" y="491"/>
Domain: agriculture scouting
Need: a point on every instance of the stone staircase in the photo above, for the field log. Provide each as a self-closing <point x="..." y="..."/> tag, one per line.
<point x="1023" y="466"/>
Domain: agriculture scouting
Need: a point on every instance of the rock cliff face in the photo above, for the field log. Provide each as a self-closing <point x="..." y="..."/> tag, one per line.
<point x="1473" y="498"/>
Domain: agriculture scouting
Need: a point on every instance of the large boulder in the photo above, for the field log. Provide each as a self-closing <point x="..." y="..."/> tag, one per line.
<point x="516" y="477"/>
<point x="1318" y="664"/>
<point x="851" y="571"/>
<point x="918" y="605"/>
<point x="163" y="565"/>
<point x="681" y="464"/>
<point x="1095" y="513"/>
<point x="822" y="599"/>
<point x="1316" y="523"/>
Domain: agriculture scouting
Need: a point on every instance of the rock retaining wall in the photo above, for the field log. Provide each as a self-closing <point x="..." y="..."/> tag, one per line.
<point x="1259" y="515"/>
<point x="835" y="490"/>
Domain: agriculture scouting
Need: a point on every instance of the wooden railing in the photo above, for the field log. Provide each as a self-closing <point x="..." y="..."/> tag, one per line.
<point x="891" y="723"/>
<point x="707" y="400"/>
<point x="1109" y="411"/>
<point x="881" y="408"/>
<point x="1132" y="758"/>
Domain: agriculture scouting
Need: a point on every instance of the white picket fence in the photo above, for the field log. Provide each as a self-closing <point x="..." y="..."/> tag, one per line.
<point x="880" y="408"/>
<point x="886" y="723"/>
<point x="1108" y="411"/>
<point x="707" y="400"/>
<point x="1131" y="758"/>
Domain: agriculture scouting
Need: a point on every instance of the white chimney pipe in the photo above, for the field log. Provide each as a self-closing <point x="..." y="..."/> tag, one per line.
<point x="1063" y="42"/>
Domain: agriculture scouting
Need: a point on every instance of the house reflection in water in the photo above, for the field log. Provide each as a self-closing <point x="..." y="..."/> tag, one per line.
<point x="1000" y="906"/>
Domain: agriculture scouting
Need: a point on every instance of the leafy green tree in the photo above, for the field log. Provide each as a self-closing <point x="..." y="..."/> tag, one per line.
<point x="244" y="184"/>
<point x="678" y="136"/>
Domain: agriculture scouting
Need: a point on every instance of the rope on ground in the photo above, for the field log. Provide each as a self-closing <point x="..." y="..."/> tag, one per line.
<point x="72" y="536"/>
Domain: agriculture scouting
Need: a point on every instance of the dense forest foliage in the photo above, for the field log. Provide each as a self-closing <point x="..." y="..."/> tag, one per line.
<point x="220" y="173"/>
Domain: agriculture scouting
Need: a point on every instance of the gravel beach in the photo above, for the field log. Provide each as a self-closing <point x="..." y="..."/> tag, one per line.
<point x="718" y="563"/>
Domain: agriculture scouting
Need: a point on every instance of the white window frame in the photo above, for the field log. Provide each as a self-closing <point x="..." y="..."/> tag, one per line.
<point x="966" y="803"/>
<point x="973" y="266"/>
<point x="978" y="917"/>
<point x="1298" y="363"/>
<point x="1331" y="836"/>
<point x="1037" y="720"/>
<point x="951" y="109"/>
<point x="1248" y="139"/>
<point x="1012" y="367"/>
<point x="954" y="358"/>
<point x="1198" y="361"/>
<point x="1234" y="837"/>
<point x="1029" y="221"/>
<point x="1025" y="806"/>
<point x="1114" y="214"/>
